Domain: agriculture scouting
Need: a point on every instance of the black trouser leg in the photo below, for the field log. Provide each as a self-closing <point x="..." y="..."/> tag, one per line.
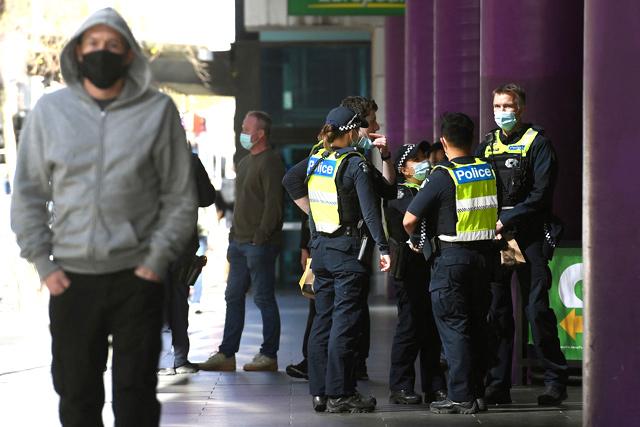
<point x="79" y="348"/>
<point x="501" y="331"/>
<point x="457" y="287"/>
<point x="135" y="313"/>
<point x="307" y="331"/>
<point x="364" y="335"/>
<point x="320" y="331"/>
<point x="178" y="295"/>
<point x="405" y="346"/>
<point x="536" y="282"/>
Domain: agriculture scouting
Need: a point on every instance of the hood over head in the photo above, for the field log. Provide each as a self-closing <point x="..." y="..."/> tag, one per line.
<point x="138" y="73"/>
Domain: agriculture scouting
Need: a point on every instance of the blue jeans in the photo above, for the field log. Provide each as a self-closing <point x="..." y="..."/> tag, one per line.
<point x="251" y="265"/>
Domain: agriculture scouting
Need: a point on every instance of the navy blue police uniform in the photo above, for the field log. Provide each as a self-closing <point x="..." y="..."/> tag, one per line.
<point x="416" y="333"/>
<point x="294" y="183"/>
<point x="459" y="288"/>
<point x="339" y="278"/>
<point x="526" y="176"/>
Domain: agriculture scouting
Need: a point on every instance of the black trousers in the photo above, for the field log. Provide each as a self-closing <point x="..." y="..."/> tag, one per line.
<point x="177" y="313"/>
<point x="364" y="336"/>
<point x="307" y="331"/>
<point x="338" y="290"/>
<point x="416" y="333"/>
<point x="535" y="281"/>
<point x="93" y="307"/>
<point x="364" y="340"/>
<point x="460" y="299"/>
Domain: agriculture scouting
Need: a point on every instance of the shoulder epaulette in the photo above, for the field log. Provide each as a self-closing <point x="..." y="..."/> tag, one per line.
<point x="540" y="129"/>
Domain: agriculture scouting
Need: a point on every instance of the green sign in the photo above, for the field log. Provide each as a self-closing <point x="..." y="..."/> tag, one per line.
<point x="346" y="7"/>
<point x="566" y="300"/>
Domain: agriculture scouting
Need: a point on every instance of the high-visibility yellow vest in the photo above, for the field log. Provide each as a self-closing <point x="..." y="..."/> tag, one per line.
<point x="323" y="188"/>
<point x="476" y="201"/>
<point x="520" y="147"/>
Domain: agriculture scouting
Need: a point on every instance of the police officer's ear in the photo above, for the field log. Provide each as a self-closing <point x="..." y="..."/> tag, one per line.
<point x="445" y="145"/>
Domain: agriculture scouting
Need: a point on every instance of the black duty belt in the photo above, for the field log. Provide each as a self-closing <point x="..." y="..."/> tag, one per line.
<point x="344" y="230"/>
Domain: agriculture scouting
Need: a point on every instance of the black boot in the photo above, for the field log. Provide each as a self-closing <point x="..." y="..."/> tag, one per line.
<point x="298" y="371"/>
<point x="450" y="407"/>
<point x="319" y="403"/>
<point x="405" y="397"/>
<point x="355" y="403"/>
<point x="494" y="396"/>
<point x="552" y="395"/>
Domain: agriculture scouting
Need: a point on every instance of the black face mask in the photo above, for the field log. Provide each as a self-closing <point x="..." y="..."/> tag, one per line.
<point x="103" y="68"/>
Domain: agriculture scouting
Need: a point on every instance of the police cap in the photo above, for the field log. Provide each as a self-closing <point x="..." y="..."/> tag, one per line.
<point x="410" y="151"/>
<point x="345" y="119"/>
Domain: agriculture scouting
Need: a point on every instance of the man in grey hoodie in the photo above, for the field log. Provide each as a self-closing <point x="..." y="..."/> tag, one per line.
<point x="108" y="155"/>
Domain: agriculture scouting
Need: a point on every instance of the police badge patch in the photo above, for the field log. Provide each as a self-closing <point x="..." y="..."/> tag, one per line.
<point x="511" y="163"/>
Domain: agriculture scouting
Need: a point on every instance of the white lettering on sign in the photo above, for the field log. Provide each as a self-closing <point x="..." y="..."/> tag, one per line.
<point x="473" y="173"/>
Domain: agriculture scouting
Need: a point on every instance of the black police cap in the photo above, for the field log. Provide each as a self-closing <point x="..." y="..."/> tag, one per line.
<point x="345" y="119"/>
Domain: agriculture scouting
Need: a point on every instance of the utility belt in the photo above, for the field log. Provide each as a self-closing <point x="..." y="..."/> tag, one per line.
<point x="355" y="230"/>
<point x="344" y="230"/>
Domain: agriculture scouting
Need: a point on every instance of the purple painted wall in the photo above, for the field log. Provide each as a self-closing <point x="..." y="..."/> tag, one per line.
<point x="394" y="80"/>
<point x="611" y="212"/>
<point x="538" y="44"/>
<point x="418" y="120"/>
<point x="457" y="59"/>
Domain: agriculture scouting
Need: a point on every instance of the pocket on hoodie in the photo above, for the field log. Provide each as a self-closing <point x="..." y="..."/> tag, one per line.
<point x="120" y="237"/>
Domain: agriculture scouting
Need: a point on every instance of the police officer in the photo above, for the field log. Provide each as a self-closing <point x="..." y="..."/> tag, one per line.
<point x="384" y="187"/>
<point x="416" y="333"/>
<point x="342" y="201"/>
<point x="526" y="165"/>
<point x="460" y="201"/>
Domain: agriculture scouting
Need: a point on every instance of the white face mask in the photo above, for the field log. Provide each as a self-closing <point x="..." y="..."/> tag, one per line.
<point x="421" y="170"/>
<point x="506" y="120"/>
<point x="245" y="141"/>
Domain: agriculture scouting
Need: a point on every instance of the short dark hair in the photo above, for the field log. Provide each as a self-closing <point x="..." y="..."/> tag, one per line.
<point x="436" y="146"/>
<point x="457" y="129"/>
<point x="264" y="120"/>
<point x="513" y="89"/>
<point x="360" y="105"/>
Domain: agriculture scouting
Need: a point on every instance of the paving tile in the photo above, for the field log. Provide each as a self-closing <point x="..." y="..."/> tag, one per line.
<point x="272" y="399"/>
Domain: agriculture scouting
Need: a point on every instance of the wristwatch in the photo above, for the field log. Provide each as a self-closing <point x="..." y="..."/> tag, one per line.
<point x="385" y="158"/>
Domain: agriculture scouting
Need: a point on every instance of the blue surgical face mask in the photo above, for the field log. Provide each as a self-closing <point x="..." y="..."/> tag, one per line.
<point x="245" y="141"/>
<point x="363" y="144"/>
<point x="421" y="170"/>
<point x="506" y="120"/>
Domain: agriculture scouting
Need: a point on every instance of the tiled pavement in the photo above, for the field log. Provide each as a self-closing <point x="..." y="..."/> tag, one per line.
<point x="260" y="399"/>
<point x="241" y="398"/>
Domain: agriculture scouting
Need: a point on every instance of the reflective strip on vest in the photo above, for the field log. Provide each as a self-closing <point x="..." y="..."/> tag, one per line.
<point x="476" y="201"/>
<point x="323" y="191"/>
<point x="520" y="147"/>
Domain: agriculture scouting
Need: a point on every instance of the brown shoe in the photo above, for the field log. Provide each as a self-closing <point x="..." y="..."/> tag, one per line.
<point x="261" y="362"/>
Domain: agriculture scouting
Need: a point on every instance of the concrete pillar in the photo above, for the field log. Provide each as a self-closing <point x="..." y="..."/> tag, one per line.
<point x="611" y="210"/>
<point x="457" y="59"/>
<point x="418" y="111"/>
<point x="394" y="80"/>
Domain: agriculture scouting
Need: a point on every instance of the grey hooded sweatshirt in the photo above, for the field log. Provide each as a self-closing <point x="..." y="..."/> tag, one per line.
<point x="120" y="179"/>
